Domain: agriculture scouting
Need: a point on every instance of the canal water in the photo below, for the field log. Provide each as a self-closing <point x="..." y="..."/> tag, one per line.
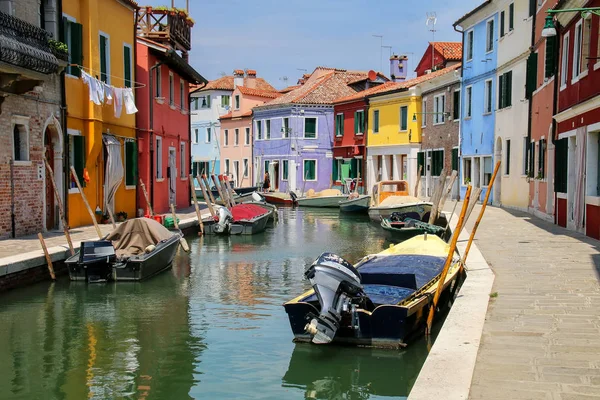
<point x="213" y="327"/>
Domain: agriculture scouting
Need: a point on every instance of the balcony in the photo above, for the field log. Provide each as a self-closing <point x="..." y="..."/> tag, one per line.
<point x="25" y="55"/>
<point x="170" y="27"/>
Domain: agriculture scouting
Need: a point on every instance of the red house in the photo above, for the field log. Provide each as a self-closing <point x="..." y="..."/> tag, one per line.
<point x="439" y="55"/>
<point x="163" y="120"/>
<point x="577" y="135"/>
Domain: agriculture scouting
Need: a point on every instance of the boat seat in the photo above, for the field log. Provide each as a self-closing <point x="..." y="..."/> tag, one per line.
<point x="386" y="294"/>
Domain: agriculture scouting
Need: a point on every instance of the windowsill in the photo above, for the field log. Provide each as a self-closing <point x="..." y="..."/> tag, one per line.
<point x="159" y="179"/>
<point x="423" y="126"/>
<point x="504" y="108"/>
<point x="183" y="179"/>
<point x="581" y="75"/>
<point x="597" y="65"/>
<point x="592" y="200"/>
<point x="246" y="145"/>
<point x="172" y="106"/>
<point x="73" y="190"/>
<point x="457" y="120"/>
<point x="467" y="118"/>
<point x="338" y="137"/>
<point x="489" y="51"/>
<point x="72" y="76"/>
<point x="160" y="100"/>
<point x="359" y="134"/>
<point x="22" y="163"/>
<point x="184" y="112"/>
<point x="130" y="187"/>
<point x="309" y="138"/>
<point x="562" y="87"/>
<point x="403" y="131"/>
<point x="469" y="60"/>
<point x="487" y="113"/>
<point x="439" y="123"/>
<point x="236" y="145"/>
<point x="310" y="180"/>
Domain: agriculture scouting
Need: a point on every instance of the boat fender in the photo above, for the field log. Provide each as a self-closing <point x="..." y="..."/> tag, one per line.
<point x="149" y="249"/>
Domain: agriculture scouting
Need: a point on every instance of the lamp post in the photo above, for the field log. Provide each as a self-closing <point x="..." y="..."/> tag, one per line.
<point x="549" y="28"/>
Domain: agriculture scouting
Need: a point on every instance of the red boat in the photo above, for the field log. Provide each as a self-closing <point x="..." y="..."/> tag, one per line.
<point x="241" y="219"/>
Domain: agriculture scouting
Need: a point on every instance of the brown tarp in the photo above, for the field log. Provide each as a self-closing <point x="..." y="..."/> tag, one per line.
<point x="133" y="236"/>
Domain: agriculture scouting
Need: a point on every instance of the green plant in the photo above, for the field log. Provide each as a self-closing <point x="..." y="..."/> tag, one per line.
<point x="494" y="295"/>
<point x="467" y="181"/>
<point x="58" y="46"/>
<point x="121" y="216"/>
<point x="540" y="176"/>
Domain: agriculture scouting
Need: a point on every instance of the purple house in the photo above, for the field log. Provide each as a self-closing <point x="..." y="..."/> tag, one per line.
<point x="294" y="133"/>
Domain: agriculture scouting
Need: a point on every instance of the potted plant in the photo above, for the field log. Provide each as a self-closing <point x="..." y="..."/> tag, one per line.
<point x="59" y="49"/>
<point x="121" y="216"/>
<point x="105" y="218"/>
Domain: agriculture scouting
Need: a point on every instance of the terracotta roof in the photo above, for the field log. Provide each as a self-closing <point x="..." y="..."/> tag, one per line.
<point x="238" y="71"/>
<point x="258" y="92"/>
<point x="451" y="51"/>
<point x="289" y="88"/>
<point x="251" y="72"/>
<point x="131" y="3"/>
<point x="226" y="83"/>
<point x="230" y="115"/>
<point x="362" y="94"/>
<point x="473" y="11"/>
<point x="361" y="79"/>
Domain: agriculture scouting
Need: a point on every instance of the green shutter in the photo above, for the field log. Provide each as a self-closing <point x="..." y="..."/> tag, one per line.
<point x="103" y="60"/>
<point x="76" y="49"/>
<point x="403" y="118"/>
<point x="130" y="163"/>
<point x="455" y="159"/>
<point x="531" y="80"/>
<point x="501" y="91"/>
<point x="285" y="169"/>
<point x="561" y="156"/>
<point x="208" y="100"/>
<point x="532" y="7"/>
<point x="194" y="169"/>
<point x="501" y="23"/>
<point x="79" y="157"/>
<point x="508" y="82"/>
<point x="334" y="170"/>
<point x="356" y="122"/>
<point x="127" y="63"/>
<point x="354" y="168"/>
<point x="511" y="17"/>
<point x="310" y="127"/>
<point x="421" y="161"/>
<point x="550" y="56"/>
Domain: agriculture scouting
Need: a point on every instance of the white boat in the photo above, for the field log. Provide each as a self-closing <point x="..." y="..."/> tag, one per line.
<point x="393" y="196"/>
<point x="360" y="203"/>
<point x="329" y="198"/>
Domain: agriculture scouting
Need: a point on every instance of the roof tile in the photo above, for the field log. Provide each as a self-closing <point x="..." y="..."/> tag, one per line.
<point x="226" y="83"/>
<point x="258" y="92"/>
<point x="451" y="51"/>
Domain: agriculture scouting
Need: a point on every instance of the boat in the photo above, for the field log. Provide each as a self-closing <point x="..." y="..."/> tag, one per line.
<point x="240" y="193"/>
<point x="356" y="203"/>
<point x="393" y="196"/>
<point x="260" y="200"/>
<point x="399" y="227"/>
<point x="287" y="199"/>
<point x="241" y="219"/>
<point x="383" y="301"/>
<point x="138" y="249"/>
<point x="328" y="198"/>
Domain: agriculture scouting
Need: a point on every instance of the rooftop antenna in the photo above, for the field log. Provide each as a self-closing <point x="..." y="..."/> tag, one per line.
<point x="431" y="20"/>
<point x="284" y="79"/>
<point x="388" y="47"/>
<point x="223" y="73"/>
<point x="380" y="50"/>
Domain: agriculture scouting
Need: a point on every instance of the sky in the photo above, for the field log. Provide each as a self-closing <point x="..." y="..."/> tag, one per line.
<point x="282" y="39"/>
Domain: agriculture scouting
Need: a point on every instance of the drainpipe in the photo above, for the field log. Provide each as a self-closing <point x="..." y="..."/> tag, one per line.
<point x="190" y="129"/>
<point x="530" y="106"/>
<point x="462" y="71"/>
<point x="151" y="128"/>
<point x="133" y="80"/>
<point x="63" y="116"/>
<point x="557" y="51"/>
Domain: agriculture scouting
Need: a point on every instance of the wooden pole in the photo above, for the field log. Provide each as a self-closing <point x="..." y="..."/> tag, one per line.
<point x="446" y="193"/>
<point x="448" y="263"/>
<point x="200" y="223"/>
<point x="48" y="259"/>
<point x="474" y="230"/>
<point x="418" y="183"/>
<point x="74" y="173"/>
<point x="437" y="195"/>
<point x="207" y="184"/>
<point x="223" y="184"/>
<point x="218" y="187"/>
<point x="357" y="182"/>
<point x="231" y="193"/>
<point x="208" y="203"/>
<point x="112" y="217"/>
<point x="61" y="210"/>
<point x="182" y="241"/>
<point x="147" y="198"/>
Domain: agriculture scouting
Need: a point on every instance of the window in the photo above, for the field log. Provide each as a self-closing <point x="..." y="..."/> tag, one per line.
<point x="267" y="163"/>
<point x="194" y="103"/>
<point x="73" y="38"/>
<point x="502" y="24"/>
<point x="208" y="133"/>
<point x="421" y="162"/>
<point x="439" y="108"/>
<point x="550" y="53"/>
<point x="487" y="170"/>
<point x="182" y="158"/>
<point x="104" y="48"/>
<point x="258" y="130"/>
<point x="227" y="166"/>
<point x="470" y="45"/>
<point x="531" y="75"/>
<point x="511" y="17"/>
<point x="236" y="138"/>
<point x="159" y="158"/>
<point x="196" y="135"/>
<point x="225" y="100"/>
<point x="127" y="65"/>
<point x="577" y="51"/>
<point x="20" y="138"/>
<point x="376" y="121"/>
<point x="236" y="172"/>
<point x="310" y="170"/>
<point x="456" y="105"/>
<point x="525" y="151"/>
<point x="286" y="127"/>
<point x="586" y="39"/>
<point x="247" y="138"/>
<point x="542" y="159"/>
<point x="562" y="155"/>
<point x="489" y="42"/>
<point x="226" y="140"/>
<point x="284" y="170"/>
<point x="77" y="157"/>
<point x="437" y="162"/>
<point x="455" y="159"/>
<point x="268" y="129"/>
<point x="158" y="91"/>
<point x="337" y="169"/>
<point x="467" y="162"/>
<point x="206" y="101"/>
<point x="505" y="90"/>
<point x="564" y="61"/>
<point x="130" y="163"/>
<point x="237" y="101"/>
<point x="182" y="94"/>
<point x="593" y="165"/>
<point x="507" y="162"/>
<point x="246" y="172"/>
<point x="468" y="103"/>
<point x="310" y="128"/>
<point x="359" y="122"/>
<point x="423" y="113"/>
<point x="403" y="118"/>
<point x="487" y="100"/>
<point x="339" y="125"/>
<point x="171" y="89"/>
<point x="532" y="159"/>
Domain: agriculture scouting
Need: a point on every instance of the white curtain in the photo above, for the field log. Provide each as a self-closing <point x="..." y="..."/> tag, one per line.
<point x="579" y="195"/>
<point x="113" y="170"/>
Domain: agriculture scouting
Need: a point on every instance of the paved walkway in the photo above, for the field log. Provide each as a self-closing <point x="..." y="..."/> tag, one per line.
<point x="541" y="338"/>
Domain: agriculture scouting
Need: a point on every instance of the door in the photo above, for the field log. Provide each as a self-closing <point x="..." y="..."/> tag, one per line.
<point x="50" y="218"/>
<point x="172" y="176"/>
<point x="292" y="176"/>
<point x="275" y="176"/>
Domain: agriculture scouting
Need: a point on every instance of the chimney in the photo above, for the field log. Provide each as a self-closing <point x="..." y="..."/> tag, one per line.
<point x="238" y="78"/>
<point x="398" y="68"/>
<point x="251" y="79"/>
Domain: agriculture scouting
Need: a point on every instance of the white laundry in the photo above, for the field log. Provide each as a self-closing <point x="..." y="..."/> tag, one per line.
<point x="118" y="101"/>
<point x="91" y="82"/>
<point x="129" y="101"/>
<point x="108" y="93"/>
<point x="100" y="90"/>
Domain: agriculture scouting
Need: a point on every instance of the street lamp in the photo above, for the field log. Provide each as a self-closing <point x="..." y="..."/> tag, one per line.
<point x="549" y="28"/>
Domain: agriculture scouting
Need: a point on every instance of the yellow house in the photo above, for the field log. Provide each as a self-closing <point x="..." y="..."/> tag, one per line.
<point x="100" y="35"/>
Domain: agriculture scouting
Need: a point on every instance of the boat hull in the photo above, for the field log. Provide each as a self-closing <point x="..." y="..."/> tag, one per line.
<point x="360" y="204"/>
<point x="242" y="227"/>
<point x="418" y="211"/>
<point x="281" y="199"/>
<point x="322" y="202"/>
<point x="396" y="235"/>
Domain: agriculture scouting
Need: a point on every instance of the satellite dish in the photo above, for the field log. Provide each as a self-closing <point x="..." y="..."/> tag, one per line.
<point x="372" y="75"/>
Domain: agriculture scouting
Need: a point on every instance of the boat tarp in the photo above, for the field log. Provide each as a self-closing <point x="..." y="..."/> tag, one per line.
<point x="133" y="236"/>
<point x="247" y="211"/>
<point x="408" y="271"/>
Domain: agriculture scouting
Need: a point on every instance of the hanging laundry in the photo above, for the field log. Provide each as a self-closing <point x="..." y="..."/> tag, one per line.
<point x="129" y="101"/>
<point x="100" y="90"/>
<point x="91" y="82"/>
<point x="118" y="101"/>
<point x="108" y="93"/>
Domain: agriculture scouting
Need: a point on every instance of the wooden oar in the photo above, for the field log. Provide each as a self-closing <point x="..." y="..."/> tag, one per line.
<point x="111" y="216"/>
<point x="61" y="210"/>
<point x="182" y="241"/>
<point x="442" y="279"/>
<point x="200" y="223"/>
<point x="48" y="259"/>
<point x="476" y="194"/>
<point x="147" y="198"/>
<point x="87" y="205"/>
<point x="208" y="202"/>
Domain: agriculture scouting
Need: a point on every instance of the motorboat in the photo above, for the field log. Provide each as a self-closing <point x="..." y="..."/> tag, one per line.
<point x="356" y="203"/>
<point x="260" y="200"/>
<point x="287" y="199"/>
<point x="138" y="249"/>
<point x="382" y="301"/>
<point x="391" y="196"/>
<point x="328" y="198"/>
<point x="241" y="219"/>
<point x="400" y="227"/>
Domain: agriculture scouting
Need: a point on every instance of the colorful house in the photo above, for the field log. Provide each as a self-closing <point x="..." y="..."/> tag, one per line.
<point x="577" y="137"/>
<point x="439" y="55"/>
<point x="478" y="88"/>
<point x="541" y="191"/>
<point x="101" y="132"/>
<point x="236" y="130"/>
<point x="210" y="102"/>
<point x="294" y="133"/>
<point x="163" y="122"/>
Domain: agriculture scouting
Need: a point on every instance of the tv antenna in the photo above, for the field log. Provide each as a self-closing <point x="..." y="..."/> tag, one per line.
<point x="431" y="20"/>
<point x="223" y="73"/>
<point x="284" y="79"/>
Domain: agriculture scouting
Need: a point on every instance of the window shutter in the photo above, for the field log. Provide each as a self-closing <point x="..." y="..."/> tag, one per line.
<point x="63" y="32"/>
<point x="421" y="161"/>
<point x="356" y="122"/>
<point x="335" y="171"/>
<point x="531" y="85"/>
<point x="511" y="17"/>
<point x="127" y="63"/>
<point x="561" y="155"/>
<point x="532" y="7"/>
<point x="76" y="49"/>
<point x="550" y="56"/>
<point x="194" y="169"/>
<point x="508" y="82"/>
<point x="341" y="125"/>
<point x="103" y="60"/>
<point x="501" y="23"/>
<point x="208" y="100"/>
<point x="501" y="91"/>
<point x="79" y="157"/>
<point x="455" y="159"/>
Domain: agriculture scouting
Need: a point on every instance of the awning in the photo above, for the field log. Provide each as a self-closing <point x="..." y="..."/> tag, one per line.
<point x="113" y="170"/>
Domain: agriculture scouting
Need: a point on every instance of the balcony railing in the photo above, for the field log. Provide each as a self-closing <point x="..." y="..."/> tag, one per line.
<point x="25" y="45"/>
<point x="166" y="26"/>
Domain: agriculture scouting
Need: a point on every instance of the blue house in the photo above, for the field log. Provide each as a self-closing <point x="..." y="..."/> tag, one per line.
<point x="478" y="94"/>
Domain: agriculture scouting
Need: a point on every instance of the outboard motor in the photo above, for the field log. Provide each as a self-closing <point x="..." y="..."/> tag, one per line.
<point x="337" y="285"/>
<point x="258" y="197"/>
<point x="294" y="197"/>
<point x="225" y="220"/>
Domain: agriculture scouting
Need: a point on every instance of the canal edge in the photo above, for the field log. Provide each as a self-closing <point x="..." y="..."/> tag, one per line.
<point x="456" y="347"/>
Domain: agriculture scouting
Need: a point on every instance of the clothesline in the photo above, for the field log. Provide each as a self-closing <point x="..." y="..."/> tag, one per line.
<point x="137" y="85"/>
<point x="102" y="93"/>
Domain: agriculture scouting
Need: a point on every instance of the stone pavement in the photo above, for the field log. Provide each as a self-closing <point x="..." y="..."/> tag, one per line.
<point x="541" y="337"/>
